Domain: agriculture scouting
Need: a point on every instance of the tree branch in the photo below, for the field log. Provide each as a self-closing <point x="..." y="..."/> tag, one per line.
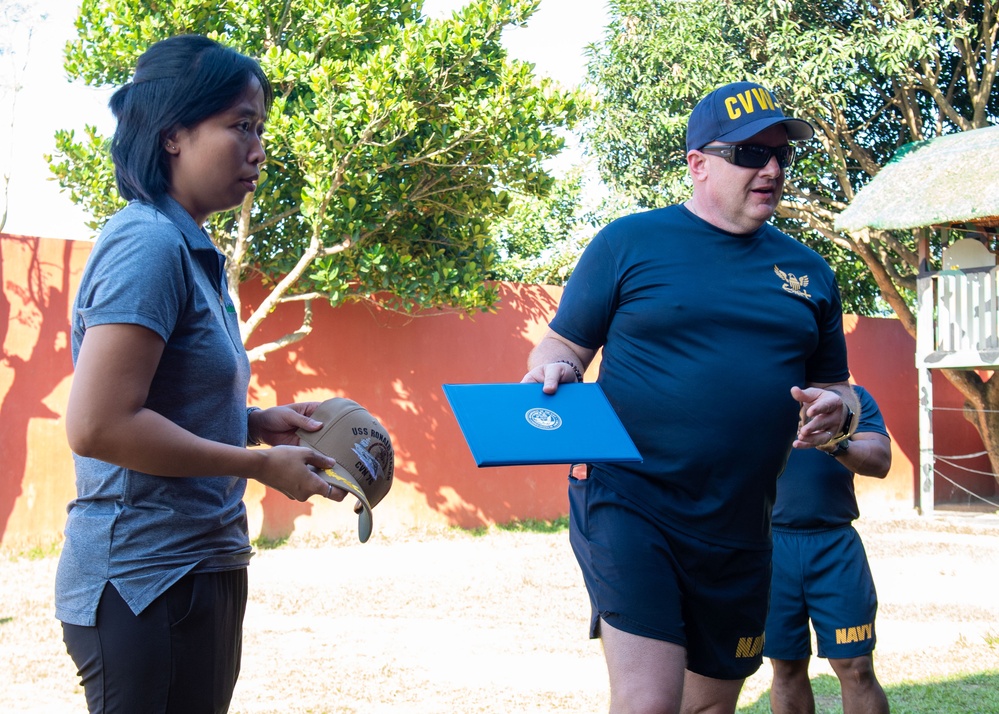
<point x="260" y="352"/>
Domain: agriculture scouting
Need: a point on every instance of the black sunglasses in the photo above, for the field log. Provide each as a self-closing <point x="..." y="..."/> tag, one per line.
<point x="752" y="156"/>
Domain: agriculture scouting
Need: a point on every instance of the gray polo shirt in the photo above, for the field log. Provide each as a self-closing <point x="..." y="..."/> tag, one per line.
<point x="154" y="266"/>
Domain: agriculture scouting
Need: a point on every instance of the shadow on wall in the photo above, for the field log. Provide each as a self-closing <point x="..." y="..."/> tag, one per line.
<point x="395" y="365"/>
<point x="391" y="363"/>
<point x="36" y="277"/>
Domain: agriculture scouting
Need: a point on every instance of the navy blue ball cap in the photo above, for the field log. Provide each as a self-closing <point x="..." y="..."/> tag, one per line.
<point x="738" y="111"/>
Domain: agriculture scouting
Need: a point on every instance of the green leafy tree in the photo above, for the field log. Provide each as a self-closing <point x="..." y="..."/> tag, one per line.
<point x="395" y="140"/>
<point x="541" y="237"/>
<point x="870" y="75"/>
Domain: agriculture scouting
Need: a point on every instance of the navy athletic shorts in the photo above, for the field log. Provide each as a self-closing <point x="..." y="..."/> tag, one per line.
<point x="822" y="575"/>
<point x="649" y="580"/>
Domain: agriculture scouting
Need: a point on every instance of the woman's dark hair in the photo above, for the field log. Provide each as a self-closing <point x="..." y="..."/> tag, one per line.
<point x="178" y="82"/>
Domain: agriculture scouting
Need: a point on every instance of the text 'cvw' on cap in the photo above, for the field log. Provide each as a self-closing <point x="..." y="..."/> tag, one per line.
<point x="738" y="111"/>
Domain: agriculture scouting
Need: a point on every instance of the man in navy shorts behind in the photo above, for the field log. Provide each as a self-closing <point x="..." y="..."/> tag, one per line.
<point x="821" y="573"/>
<point x="722" y="347"/>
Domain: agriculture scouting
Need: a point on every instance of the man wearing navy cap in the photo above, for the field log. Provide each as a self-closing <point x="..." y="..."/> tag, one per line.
<point x="722" y="347"/>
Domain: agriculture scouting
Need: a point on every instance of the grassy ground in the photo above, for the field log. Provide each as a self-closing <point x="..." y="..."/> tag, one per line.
<point x="495" y="621"/>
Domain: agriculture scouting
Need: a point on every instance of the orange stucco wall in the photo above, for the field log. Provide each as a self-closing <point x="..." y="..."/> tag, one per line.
<point x="395" y="366"/>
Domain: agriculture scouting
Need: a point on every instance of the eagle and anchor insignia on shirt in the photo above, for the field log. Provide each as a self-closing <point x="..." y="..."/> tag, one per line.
<point x="542" y="418"/>
<point x="792" y="283"/>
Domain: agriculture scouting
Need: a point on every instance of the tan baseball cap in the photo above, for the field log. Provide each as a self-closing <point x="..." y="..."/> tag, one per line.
<point x="362" y="447"/>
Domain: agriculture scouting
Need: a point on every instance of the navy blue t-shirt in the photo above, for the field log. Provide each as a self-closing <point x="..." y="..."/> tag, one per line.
<point x="704" y="333"/>
<point x="816" y="490"/>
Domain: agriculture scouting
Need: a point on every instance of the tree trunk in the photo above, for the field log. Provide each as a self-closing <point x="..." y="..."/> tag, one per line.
<point x="978" y="395"/>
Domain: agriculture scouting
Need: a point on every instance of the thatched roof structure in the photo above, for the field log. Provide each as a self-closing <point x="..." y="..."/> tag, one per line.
<point x="949" y="180"/>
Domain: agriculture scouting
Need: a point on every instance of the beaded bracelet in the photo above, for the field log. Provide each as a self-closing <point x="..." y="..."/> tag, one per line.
<point x="575" y="369"/>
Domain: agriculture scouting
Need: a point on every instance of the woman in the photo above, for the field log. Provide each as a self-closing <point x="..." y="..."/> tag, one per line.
<point x="151" y="585"/>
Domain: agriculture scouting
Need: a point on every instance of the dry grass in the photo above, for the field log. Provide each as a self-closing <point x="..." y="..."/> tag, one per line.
<point x="446" y="621"/>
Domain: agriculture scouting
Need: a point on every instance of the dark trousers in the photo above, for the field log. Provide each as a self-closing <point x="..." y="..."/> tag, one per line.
<point x="180" y="656"/>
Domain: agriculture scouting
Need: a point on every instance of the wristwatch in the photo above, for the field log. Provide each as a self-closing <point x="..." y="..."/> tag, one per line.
<point x="844" y="432"/>
<point x="841" y="448"/>
<point x="250" y="441"/>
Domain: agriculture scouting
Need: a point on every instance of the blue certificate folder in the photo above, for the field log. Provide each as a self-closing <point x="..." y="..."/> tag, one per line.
<point x="513" y="424"/>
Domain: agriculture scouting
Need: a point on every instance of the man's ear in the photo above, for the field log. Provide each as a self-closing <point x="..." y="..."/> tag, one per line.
<point x="697" y="164"/>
